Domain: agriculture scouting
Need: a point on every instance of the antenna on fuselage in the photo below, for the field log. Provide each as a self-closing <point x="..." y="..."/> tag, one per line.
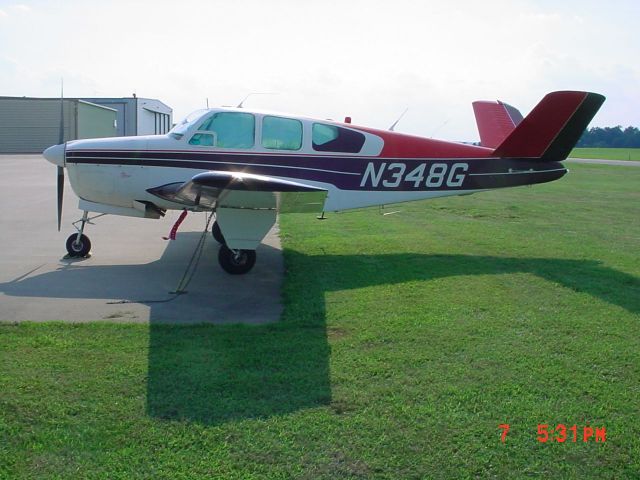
<point x="399" y="118"/>
<point x="439" y="127"/>
<point x="207" y="103"/>
<point x="254" y="93"/>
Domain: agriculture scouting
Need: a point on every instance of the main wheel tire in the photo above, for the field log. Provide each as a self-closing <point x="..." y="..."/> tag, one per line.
<point x="79" y="248"/>
<point x="236" y="262"/>
<point x="217" y="233"/>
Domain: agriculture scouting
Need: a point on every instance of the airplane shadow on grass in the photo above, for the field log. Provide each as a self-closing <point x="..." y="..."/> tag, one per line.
<point x="214" y="374"/>
<point x="260" y="371"/>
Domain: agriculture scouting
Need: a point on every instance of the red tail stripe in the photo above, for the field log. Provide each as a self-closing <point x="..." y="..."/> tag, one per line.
<point x="539" y="129"/>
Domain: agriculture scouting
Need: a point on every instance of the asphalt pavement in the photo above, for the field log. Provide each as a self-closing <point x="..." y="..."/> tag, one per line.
<point x="620" y="163"/>
<point x="131" y="269"/>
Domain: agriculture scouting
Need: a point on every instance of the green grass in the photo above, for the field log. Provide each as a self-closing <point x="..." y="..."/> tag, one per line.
<point x="405" y="341"/>
<point x="607" y="153"/>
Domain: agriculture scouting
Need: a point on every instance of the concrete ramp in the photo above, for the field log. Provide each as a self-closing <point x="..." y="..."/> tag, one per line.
<point x="131" y="271"/>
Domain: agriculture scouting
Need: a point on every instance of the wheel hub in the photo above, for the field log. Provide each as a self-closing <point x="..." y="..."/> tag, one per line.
<point x="239" y="258"/>
<point x="236" y="261"/>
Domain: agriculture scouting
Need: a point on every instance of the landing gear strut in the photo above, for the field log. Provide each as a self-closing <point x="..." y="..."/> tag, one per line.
<point x="78" y="244"/>
<point x="236" y="262"/>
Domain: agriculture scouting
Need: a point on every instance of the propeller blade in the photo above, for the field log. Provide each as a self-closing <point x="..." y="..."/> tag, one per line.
<point x="61" y="130"/>
<point x="61" y="169"/>
<point x="60" y="194"/>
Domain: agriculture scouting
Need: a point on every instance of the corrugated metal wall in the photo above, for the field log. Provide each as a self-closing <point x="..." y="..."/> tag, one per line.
<point x="96" y="121"/>
<point x="31" y="125"/>
<point x="126" y="116"/>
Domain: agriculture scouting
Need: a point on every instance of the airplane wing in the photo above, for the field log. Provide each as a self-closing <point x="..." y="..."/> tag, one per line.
<point x="243" y="190"/>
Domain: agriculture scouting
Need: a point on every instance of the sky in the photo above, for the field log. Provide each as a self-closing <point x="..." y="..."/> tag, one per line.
<point x="329" y="59"/>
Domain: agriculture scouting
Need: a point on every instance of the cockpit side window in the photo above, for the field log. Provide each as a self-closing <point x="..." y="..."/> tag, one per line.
<point x="281" y="133"/>
<point x="180" y="128"/>
<point x="202" y="139"/>
<point x="226" y="130"/>
<point x="330" y="138"/>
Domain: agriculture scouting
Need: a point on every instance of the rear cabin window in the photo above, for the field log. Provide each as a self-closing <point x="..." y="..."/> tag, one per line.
<point x="226" y="130"/>
<point x="281" y="133"/>
<point x="329" y="138"/>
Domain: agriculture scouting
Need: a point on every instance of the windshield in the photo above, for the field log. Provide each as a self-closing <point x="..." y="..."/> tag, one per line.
<point x="183" y="126"/>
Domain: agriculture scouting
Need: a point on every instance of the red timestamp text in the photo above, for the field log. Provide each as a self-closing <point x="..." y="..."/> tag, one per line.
<point x="561" y="433"/>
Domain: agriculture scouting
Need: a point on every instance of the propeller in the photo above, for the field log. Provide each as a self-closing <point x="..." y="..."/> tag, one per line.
<point x="61" y="169"/>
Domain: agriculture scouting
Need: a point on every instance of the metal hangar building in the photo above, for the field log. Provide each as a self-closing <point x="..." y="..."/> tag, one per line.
<point x="29" y="125"/>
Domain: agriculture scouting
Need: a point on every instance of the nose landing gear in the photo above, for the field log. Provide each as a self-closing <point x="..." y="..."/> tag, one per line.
<point x="78" y="244"/>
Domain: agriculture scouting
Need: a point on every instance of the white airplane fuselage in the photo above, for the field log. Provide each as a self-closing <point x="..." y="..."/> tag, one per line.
<point x="169" y="158"/>
<point x="249" y="165"/>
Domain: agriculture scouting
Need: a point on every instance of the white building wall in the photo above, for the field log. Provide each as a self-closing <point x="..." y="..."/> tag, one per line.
<point x="154" y="117"/>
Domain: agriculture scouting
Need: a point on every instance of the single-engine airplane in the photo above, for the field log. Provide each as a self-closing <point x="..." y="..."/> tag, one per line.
<point x="248" y="165"/>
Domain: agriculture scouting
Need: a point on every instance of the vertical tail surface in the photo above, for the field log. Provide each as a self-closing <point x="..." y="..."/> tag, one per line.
<point x="495" y="120"/>
<point x="553" y="127"/>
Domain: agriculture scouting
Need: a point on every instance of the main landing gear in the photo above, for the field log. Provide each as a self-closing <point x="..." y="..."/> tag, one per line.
<point x="236" y="262"/>
<point x="233" y="261"/>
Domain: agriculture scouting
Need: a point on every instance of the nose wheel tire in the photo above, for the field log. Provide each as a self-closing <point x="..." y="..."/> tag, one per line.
<point x="78" y="247"/>
<point x="236" y="262"/>
<point x="217" y="233"/>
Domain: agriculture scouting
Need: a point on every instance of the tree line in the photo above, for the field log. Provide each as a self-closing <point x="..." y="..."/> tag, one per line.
<point x="610" y="137"/>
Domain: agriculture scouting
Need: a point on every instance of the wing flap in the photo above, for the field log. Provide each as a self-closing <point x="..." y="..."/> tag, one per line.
<point x="243" y="190"/>
<point x="249" y="182"/>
